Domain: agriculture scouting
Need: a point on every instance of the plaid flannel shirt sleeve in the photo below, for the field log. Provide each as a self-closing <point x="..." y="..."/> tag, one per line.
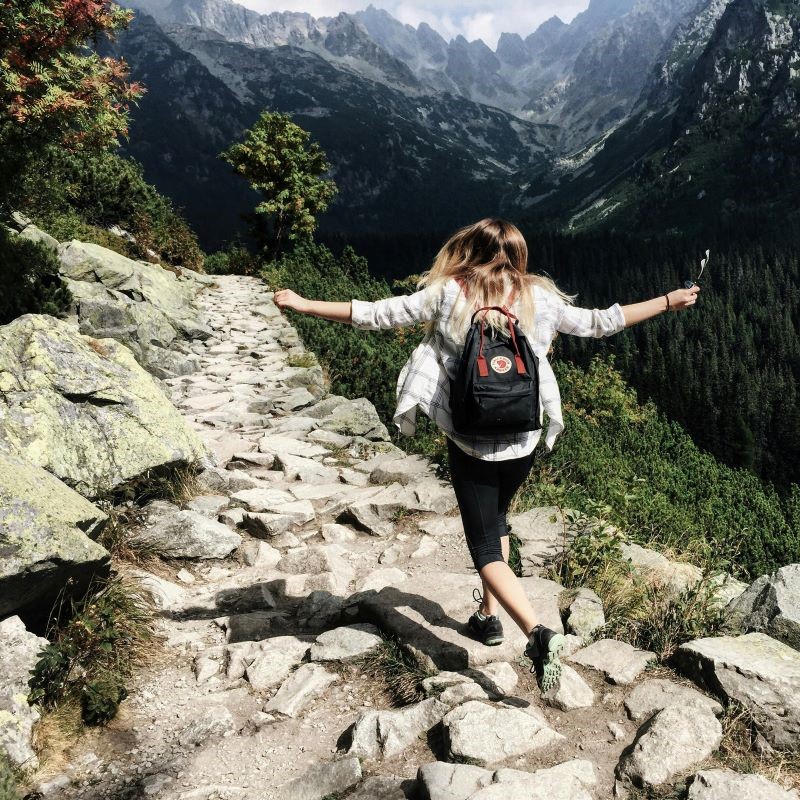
<point x="396" y="312"/>
<point x="589" y="321"/>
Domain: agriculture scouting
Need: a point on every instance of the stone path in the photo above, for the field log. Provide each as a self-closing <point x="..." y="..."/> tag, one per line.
<point x="313" y="534"/>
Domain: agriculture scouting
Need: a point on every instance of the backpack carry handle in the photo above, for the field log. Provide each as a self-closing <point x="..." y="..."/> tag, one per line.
<point x="483" y="368"/>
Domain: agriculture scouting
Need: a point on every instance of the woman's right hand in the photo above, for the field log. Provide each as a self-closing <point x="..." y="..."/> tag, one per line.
<point x="286" y="298"/>
<point x="683" y="298"/>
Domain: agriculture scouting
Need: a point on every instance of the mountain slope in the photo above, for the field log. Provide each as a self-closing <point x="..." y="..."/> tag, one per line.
<point x="582" y="77"/>
<point x="714" y="135"/>
<point x="400" y="161"/>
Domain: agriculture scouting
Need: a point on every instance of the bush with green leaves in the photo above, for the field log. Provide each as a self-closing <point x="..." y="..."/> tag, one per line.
<point x="94" y="643"/>
<point x="29" y="279"/>
<point x="79" y="195"/>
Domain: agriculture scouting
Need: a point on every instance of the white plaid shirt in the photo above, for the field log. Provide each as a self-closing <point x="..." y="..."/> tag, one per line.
<point x="424" y="381"/>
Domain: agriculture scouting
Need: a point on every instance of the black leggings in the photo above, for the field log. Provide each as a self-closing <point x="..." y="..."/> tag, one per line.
<point x="484" y="490"/>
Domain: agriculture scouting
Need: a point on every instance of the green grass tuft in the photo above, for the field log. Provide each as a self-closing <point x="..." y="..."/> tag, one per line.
<point x="397" y="669"/>
<point x="94" y="644"/>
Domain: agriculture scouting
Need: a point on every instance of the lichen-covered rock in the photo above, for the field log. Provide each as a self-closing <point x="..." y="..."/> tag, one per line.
<point x="771" y="604"/>
<point x="19" y="652"/>
<point x="585" y="613"/>
<point x="618" y="661"/>
<point x="84" y="409"/>
<point x="161" y="288"/>
<point x="44" y="537"/>
<point x="755" y="670"/>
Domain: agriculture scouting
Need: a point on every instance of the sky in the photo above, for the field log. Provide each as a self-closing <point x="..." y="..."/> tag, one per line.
<point x="474" y="19"/>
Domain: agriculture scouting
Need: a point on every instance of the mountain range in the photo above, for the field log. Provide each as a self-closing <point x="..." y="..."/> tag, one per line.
<point x="622" y="110"/>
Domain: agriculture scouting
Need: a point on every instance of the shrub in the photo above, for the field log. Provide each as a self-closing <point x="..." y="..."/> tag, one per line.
<point x="29" y="279"/>
<point x="236" y="259"/>
<point x="79" y="195"/>
<point x="94" y="644"/>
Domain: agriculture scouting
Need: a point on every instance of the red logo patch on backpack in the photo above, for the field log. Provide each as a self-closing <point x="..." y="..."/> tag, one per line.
<point x="500" y="364"/>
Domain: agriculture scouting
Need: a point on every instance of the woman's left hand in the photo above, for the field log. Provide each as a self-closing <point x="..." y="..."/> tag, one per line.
<point x="286" y="298"/>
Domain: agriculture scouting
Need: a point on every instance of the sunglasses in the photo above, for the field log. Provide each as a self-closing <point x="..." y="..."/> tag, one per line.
<point x="689" y="282"/>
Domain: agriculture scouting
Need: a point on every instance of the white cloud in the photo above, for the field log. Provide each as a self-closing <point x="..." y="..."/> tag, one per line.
<point x="474" y="19"/>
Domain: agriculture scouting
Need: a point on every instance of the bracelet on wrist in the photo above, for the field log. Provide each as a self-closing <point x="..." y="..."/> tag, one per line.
<point x="667" y="298"/>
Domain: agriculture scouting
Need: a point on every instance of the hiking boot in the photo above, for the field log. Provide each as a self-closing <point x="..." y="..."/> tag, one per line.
<point x="543" y="648"/>
<point x="486" y="627"/>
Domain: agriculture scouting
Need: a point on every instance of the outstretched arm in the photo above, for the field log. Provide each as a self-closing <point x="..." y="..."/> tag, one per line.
<point x="335" y="312"/>
<point x="673" y="301"/>
<point x="392" y="312"/>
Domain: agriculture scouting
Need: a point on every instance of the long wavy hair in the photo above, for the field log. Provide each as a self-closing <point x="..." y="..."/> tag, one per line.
<point x="490" y="258"/>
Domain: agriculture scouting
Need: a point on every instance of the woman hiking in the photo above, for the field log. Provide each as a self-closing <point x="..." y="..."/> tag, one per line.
<point x="486" y="264"/>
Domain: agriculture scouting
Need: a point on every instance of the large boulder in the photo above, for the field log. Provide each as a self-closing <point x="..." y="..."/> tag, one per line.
<point x="542" y="536"/>
<point x="675" y="575"/>
<point x="148" y="332"/>
<point x="161" y="288"/>
<point x="84" y="409"/>
<point x="44" y="537"/>
<point x="19" y="652"/>
<point x="771" y="604"/>
<point x="755" y="670"/>
<point x="725" y="784"/>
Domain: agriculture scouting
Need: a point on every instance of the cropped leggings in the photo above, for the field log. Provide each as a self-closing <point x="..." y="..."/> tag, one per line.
<point x="484" y="490"/>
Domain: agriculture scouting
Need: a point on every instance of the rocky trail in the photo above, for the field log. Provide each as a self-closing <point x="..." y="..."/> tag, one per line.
<point x="313" y="537"/>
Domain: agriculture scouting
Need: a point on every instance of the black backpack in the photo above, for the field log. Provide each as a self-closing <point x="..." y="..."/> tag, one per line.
<point x="496" y="388"/>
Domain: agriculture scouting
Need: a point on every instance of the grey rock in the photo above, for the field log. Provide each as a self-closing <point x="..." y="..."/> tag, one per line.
<point x="755" y="670"/>
<point x="349" y="641"/>
<point x="571" y="692"/>
<point x="83" y="409"/>
<point x="321" y="780"/>
<point x="379" y="734"/>
<point x="260" y="553"/>
<point x="186" y="534"/>
<point x="725" y="784"/>
<point x="671" y="742"/>
<point x="383" y="787"/>
<point x="485" y="734"/>
<point x="208" y="504"/>
<point x="298" y="468"/>
<point x="164" y="594"/>
<point x="160" y="288"/>
<point x="771" y="604"/>
<point x="270" y="663"/>
<point x="355" y="418"/>
<point x="542" y="536"/>
<point x="618" y="661"/>
<point x="651" y="696"/>
<point x="276" y="445"/>
<point x="571" y="780"/>
<point x="19" y="653"/>
<point x="727" y="588"/>
<point x="402" y="470"/>
<point x="213" y="722"/>
<point x="585" y="614"/>
<point x="300" y="688"/>
<point x="43" y="537"/>
<point x="440" y="780"/>
<point x="677" y="575"/>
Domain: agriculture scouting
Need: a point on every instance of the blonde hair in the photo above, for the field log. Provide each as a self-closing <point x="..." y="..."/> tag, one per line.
<point x="490" y="258"/>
